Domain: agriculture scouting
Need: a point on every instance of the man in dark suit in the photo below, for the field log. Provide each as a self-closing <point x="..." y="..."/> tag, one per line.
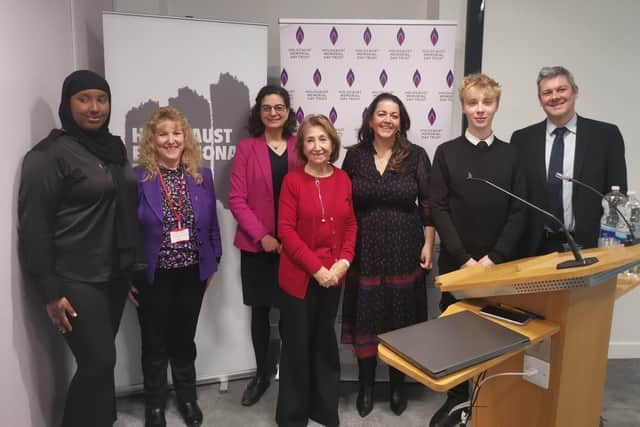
<point x="588" y="150"/>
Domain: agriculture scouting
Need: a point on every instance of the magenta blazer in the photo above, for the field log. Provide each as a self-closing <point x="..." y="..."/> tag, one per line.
<point x="251" y="191"/>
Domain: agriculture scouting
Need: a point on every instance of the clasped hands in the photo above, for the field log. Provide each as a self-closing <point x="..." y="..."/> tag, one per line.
<point x="331" y="277"/>
<point x="485" y="260"/>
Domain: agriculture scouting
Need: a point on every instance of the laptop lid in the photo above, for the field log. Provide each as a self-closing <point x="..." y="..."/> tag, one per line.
<point x="451" y="343"/>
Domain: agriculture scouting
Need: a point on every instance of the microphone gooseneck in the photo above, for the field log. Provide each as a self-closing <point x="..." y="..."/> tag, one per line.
<point x="633" y="240"/>
<point x="579" y="261"/>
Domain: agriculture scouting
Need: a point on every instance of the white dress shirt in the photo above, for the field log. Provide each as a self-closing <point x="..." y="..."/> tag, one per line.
<point x="475" y="140"/>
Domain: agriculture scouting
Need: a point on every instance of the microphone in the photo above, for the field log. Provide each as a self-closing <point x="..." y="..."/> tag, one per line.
<point x="634" y="240"/>
<point x="578" y="260"/>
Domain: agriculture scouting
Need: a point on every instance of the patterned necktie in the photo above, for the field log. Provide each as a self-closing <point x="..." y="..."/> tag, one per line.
<point x="554" y="185"/>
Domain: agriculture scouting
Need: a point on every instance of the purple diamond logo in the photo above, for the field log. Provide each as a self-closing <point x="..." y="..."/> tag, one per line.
<point x="317" y="77"/>
<point x="400" y="36"/>
<point x="384" y="78"/>
<point x="333" y="115"/>
<point x="350" y="77"/>
<point x="417" y="78"/>
<point x="299" y="115"/>
<point x="299" y="35"/>
<point x="434" y="37"/>
<point x="431" y="116"/>
<point x="333" y="35"/>
<point x="367" y="36"/>
<point x="284" y="77"/>
<point x="449" y="78"/>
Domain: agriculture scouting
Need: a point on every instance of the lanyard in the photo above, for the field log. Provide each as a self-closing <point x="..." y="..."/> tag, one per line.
<point x="176" y="212"/>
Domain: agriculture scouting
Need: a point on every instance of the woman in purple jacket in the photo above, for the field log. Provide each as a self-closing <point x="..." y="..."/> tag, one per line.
<point x="177" y="213"/>
<point x="260" y="164"/>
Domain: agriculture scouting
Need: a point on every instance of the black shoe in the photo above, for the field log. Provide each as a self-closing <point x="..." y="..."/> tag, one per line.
<point x="364" y="402"/>
<point x="154" y="417"/>
<point x="254" y="391"/>
<point x="442" y="418"/>
<point x="367" y="379"/>
<point x="191" y="413"/>
<point x="397" y="399"/>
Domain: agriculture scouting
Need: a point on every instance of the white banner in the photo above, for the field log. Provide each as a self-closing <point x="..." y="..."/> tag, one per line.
<point x="211" y="71"/>
<point x="337" y="67"/>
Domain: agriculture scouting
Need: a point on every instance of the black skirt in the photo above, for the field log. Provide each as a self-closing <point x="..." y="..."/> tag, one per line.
<point x="259" y="274"/>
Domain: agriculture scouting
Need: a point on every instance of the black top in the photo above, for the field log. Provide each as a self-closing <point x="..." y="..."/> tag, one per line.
<point x="66" y="216"/>
<point x="472" y="218"/>
<point x="279" y="168"/>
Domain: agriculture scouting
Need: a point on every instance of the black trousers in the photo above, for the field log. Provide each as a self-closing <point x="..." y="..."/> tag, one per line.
<point x="91" y="395"/>
<point x="168" y="313"/>
<point x="309" y="361"/>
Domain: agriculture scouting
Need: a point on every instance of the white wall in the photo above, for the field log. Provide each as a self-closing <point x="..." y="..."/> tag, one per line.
<point x="37" y="51"/>
<point x="597" y="41"/>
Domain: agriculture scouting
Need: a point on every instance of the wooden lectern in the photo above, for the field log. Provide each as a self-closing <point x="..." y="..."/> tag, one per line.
<point x="577" y="305"/>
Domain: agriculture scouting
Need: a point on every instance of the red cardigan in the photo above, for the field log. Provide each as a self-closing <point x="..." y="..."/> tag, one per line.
<point x="307" y="242"/>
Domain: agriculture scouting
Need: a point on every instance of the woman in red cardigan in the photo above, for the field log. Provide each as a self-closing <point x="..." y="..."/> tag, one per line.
<point x="317" y="227"/>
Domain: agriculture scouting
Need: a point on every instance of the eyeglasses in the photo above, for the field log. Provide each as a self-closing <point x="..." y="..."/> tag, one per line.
<point x="279" y="108"/>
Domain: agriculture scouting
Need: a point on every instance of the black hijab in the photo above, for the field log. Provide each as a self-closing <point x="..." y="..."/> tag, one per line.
<point x="111" y="151"/>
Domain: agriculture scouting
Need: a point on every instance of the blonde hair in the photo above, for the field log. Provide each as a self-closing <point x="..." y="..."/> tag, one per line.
<point x="482" y="82"/>
<point x="191" y="156"/>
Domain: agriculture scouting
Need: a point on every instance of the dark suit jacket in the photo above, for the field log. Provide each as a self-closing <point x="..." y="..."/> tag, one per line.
<point x="203" y="201"/>
<point x="599" y="162"/>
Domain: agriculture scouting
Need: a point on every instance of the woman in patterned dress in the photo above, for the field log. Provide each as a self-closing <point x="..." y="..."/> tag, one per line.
<point x="386" y="288"/>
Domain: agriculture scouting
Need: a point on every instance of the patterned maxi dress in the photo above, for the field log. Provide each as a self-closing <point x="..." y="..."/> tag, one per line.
<point x="385" y="287"/>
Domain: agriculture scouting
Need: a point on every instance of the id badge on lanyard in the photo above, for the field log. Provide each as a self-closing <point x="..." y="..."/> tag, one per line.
<point x="179" y="234"/>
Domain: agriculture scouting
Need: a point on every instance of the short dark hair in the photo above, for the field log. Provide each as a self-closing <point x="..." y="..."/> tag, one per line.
<point x="255" y="125"/>
<point x="323" y="122"/>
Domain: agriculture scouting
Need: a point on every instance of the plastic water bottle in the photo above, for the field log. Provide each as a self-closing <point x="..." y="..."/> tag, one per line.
<point x="610" y="217"/>
<point x="632" y="210"/>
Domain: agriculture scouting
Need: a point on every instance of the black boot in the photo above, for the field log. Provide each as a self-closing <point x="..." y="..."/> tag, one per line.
<point x="154" y="417"/>
<point x="455" y="396"/>
<point x="397" y="399"/>
<point x="255" y="389"/>
<point x="367" y="377"/>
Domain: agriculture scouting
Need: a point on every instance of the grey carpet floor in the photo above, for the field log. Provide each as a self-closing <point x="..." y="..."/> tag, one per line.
<point x="621" y="406"/>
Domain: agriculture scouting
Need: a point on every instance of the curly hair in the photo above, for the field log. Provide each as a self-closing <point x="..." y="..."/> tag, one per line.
<point x="324" y="123"/>
<point x="255" y="125"/>
<point x="191" y="156"/>
<point x="402" y="145"/>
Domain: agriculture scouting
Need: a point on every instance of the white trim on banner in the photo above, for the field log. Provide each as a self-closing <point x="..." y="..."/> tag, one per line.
<point x="191" y="64"/>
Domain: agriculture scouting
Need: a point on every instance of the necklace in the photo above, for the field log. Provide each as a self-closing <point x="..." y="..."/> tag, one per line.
<point x="317" y="181"/>
<point x="276" y="147"/>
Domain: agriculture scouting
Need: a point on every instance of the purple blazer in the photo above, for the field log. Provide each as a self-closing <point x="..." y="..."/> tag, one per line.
<point x="251" y="191"/>
<point x="203" y="200"/>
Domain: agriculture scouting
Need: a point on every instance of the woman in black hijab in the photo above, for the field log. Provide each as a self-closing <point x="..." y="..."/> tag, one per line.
<point x="79" y="239"/>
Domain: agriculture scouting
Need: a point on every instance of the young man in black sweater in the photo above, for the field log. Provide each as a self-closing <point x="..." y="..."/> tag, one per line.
<point x="477" y="224"/>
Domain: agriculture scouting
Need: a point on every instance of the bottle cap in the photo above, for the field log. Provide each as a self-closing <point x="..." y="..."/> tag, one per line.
<point x="615" y="188"/>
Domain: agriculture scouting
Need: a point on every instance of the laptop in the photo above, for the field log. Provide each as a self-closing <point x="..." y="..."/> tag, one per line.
<point x="451" y="343"/>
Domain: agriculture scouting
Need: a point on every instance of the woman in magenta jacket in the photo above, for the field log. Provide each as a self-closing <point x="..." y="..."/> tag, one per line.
<point x="259" y="165"/>
<point x="317" y="227"/>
